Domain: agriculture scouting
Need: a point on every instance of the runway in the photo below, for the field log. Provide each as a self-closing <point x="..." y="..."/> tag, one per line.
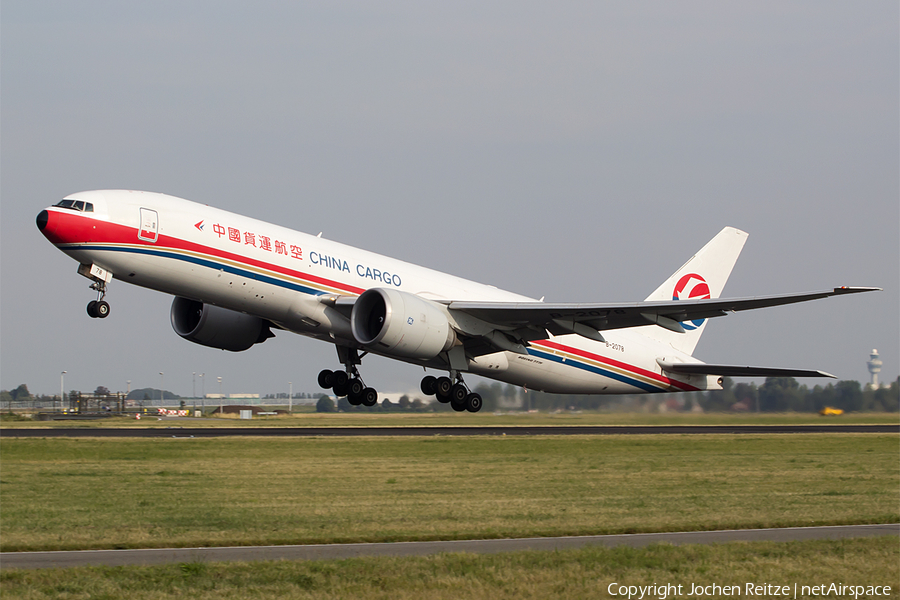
<point x="198" y="432"/>
<point x="115" y="558"/>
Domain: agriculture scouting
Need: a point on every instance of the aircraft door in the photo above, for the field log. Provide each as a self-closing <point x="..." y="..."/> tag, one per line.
<point x="149" y="230"/>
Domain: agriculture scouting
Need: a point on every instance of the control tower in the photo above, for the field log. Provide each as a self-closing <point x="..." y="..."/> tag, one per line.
<point x="874" y="365"/>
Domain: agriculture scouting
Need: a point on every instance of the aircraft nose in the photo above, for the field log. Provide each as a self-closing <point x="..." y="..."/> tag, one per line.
<point x="42" y="219"/>
<point x="48" y="222"/>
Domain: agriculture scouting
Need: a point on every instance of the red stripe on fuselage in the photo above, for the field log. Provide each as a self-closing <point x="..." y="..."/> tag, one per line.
<point x="76" y="228"/>
<point x="618" y="364"/>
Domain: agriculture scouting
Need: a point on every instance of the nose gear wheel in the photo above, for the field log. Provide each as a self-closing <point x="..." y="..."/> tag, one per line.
<point x="99" y="308"/>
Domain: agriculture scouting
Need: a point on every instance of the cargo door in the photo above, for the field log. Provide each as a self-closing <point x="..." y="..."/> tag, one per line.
<point x="149" y="230"/>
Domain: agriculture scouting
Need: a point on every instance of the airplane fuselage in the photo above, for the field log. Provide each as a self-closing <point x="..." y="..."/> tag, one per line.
<point x="290" y="279"/>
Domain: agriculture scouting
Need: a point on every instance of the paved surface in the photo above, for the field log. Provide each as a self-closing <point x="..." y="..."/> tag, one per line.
<point x="177" y="431"/>
<point x="40" y="560"/>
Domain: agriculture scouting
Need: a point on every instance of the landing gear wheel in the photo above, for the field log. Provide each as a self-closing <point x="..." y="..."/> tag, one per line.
<point x="369" y="397"/>
<point x="355" y="388"/>
<point x="102" y="309"/>
<point x="340" y="389"/>
<point x="340" y="378"/>
<point x="458" y="393"/>
<point x="326" y="379"/>
<point x="354" y="399"/>
<point x="442" y="387"/>
<point x="457" y="406"/>
<point x="92" y="309"/>
<point x="473" y="403"/>
<point x="428" y="384"/>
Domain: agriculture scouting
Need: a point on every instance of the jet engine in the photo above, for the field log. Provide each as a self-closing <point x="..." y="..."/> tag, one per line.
<point x="217" y="327"/>
<point x="400" y="324"/>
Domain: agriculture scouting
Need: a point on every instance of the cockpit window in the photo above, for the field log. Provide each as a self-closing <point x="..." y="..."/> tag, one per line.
<point x="79" y="205"/>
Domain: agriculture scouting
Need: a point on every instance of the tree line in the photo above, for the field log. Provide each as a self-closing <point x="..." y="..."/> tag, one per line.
<point x="777" y="394"/>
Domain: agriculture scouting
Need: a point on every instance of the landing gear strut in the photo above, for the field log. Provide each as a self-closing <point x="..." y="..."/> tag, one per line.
<point x="457" y="394"/>
<point x="348" y="383"/>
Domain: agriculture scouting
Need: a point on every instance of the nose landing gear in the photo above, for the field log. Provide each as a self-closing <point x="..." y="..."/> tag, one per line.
<point x="98" y="308"/>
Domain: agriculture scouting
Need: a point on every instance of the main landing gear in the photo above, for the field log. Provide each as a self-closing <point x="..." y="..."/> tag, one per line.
<point x="98" y="308"/>
<point x="348" y="382"/>
<point x="457" y="394"/>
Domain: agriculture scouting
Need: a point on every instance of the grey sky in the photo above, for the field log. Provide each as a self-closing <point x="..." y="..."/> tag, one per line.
<point x="578" y="151"/>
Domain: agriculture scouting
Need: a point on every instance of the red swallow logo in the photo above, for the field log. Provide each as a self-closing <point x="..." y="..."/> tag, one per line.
<point x="691" y="287"/>
<point x="199" y="225"/>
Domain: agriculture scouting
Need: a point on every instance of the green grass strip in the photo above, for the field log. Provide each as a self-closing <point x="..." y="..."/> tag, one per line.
<point x="583" y="573"/>
<point x="65" y="494"/>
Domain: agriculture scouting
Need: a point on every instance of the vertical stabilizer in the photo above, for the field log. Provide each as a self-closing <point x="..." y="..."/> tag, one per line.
<point x="703" y="276"/>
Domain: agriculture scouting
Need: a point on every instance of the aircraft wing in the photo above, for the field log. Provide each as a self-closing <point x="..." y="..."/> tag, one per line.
<point x="490" y="326"/>
<point x="589" y="319"/>
<point x="738" y="371"/>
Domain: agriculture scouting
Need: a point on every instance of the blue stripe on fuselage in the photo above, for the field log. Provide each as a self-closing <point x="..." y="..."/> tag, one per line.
<point x="204" y="263"/>
<point x="593" y="369"/>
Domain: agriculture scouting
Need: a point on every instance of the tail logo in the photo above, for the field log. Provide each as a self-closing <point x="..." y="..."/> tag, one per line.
<point x="691" y="287"/>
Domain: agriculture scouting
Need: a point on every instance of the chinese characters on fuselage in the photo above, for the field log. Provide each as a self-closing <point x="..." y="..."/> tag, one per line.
<point x="260" y="241"/>
<point x="266" y="243"/>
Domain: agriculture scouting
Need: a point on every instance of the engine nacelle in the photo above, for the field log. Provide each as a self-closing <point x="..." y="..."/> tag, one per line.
<point x="400" y="324"/>
<point x="217" y="327"/>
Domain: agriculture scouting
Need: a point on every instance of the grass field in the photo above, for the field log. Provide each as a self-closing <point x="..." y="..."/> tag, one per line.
<point x="306" y="418"/>
<point x="585" y="573"/>
<point x="63" y="493"/>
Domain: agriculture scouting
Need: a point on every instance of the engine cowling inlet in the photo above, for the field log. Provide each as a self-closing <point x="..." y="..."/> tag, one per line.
<point x="400" y="324"/>
<point x="217" y="327"/>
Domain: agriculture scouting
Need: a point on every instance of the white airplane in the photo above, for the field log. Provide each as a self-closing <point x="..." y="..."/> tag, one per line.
<point x="235" y="279"/>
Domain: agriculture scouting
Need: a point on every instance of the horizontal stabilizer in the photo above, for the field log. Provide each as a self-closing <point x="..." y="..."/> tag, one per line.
<point x="738" y="371"/>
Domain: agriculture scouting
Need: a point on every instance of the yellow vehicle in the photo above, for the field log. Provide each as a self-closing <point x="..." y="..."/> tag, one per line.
<point x="831" y="412"/>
